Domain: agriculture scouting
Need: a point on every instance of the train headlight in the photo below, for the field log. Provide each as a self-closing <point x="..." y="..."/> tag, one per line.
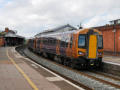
<point x="92" y="62"/>
<point x="100" y="53"/>
<point x="80" y="53"/>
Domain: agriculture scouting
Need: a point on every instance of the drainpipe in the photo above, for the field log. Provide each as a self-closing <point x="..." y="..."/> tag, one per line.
<point x="114" y="30"/>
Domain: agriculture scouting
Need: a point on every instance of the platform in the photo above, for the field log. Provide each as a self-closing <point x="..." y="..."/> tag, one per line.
<point x="17" y="73"/>
<point x="111" y="59"/>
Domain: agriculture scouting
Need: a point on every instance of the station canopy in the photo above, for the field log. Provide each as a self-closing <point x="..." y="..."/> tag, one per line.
<point x="13" y="35"/>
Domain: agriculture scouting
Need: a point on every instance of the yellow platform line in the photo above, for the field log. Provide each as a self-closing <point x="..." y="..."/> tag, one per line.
<point x="24" y="75"/>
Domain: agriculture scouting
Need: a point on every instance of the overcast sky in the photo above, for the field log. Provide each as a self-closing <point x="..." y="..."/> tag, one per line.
<point x="30" y="17"/>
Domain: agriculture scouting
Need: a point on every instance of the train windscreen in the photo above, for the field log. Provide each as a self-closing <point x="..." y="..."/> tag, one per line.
<point x="81" y="41"/>
<point x="100" y="41"/>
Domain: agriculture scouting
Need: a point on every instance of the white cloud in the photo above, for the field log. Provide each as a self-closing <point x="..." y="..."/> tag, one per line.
<point x="32" y="16"/>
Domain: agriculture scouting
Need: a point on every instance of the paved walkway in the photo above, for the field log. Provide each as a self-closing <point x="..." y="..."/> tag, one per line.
<point x="15" y="74"/>
<point x="113" y="59"/>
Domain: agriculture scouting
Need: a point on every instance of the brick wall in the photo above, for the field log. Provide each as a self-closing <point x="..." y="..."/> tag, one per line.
<point x="1" y="41"/>
<point x="108" y="37"/>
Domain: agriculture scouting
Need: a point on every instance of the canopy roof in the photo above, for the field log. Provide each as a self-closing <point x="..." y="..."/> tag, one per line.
<point x="12" y="35"/>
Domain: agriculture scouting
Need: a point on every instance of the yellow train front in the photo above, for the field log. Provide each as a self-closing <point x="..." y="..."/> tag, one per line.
<point x="88" y="48"/>
<point x="77" y="48"/>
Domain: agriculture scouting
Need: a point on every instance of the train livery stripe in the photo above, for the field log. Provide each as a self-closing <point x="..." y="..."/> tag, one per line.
<point x="24" y="75"/>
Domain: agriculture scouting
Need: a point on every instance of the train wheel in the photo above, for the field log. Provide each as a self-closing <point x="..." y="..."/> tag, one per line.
<point x="51" y="56"/>
<point x="59" y="60"/>
<point x="80" y="67"/>
<point x="62" y="60"/>
<point x="66" y="63"/>
<point x="45" y="55"/>
<point x="100" y="66"/>
<point x="55" y="58"/>
<point x="73" y="64"/>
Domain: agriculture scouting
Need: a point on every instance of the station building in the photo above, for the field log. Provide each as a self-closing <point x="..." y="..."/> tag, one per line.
<point x="10" y="38"/>
<point x="111" y="36"/>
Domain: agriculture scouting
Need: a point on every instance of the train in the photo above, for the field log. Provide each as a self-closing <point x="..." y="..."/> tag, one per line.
<point x="77" y="48"/>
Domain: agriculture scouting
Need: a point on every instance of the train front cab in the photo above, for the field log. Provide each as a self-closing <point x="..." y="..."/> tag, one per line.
<point x="90" y="48"/>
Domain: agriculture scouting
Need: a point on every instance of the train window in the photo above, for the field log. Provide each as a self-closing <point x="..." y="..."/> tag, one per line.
<point x="40" y="40"/>
<point x="62" y="44"/>
<point x="66" y="44"/>
<point x="81" y="41"/>
<point x="37" y="41"/>
<point x="71" y="40"/>
<point x="100" y="41"/>
<point x="44" y="41"/>
<point x="54" y="41"/>
<point x="50" y="41"/>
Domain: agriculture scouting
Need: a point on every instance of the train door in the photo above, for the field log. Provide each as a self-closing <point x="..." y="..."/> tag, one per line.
<point x="38" y="45"/>
<point x="35" y="43"/>
<point x="63" y="45"/>
<point x="58" y="47"/>
<point x="69" y="49"/>
<point x="92" y="49"/>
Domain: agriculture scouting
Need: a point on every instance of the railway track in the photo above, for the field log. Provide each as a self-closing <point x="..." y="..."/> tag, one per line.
<point x="73" y="81"/>
<point x="107" y="81"/>
<point x="99" y="76"/>
<point x="104" y="79"/>
<point x="107" y="75"/>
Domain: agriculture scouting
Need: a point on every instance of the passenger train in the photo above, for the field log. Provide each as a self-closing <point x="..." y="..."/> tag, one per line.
<point x="77" y="48"/>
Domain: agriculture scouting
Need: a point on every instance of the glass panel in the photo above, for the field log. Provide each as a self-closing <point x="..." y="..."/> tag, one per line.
<point x="71" y="40"/>
<point x="81" y="41"/>
<point x="100" y="41"/>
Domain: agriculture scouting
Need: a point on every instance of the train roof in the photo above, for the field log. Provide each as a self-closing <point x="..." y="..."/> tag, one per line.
<point x="57" y="33"/>
<point x="82" y="31"/>
<point x="57" y="29"/>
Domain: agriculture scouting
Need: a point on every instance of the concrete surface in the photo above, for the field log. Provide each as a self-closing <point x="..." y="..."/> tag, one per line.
<point x="11" y="77"/>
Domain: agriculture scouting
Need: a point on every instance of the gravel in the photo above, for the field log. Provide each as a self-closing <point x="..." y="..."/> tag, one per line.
<point x="91" y="83"/>
<point x="104" y="78"/>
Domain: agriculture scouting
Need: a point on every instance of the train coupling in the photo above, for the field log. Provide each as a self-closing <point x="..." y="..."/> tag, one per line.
<point x="91" y="62"/>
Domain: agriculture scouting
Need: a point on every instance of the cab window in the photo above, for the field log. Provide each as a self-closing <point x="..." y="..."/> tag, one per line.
<point x="100" y="42"/>
<point x="81" y="41"/>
